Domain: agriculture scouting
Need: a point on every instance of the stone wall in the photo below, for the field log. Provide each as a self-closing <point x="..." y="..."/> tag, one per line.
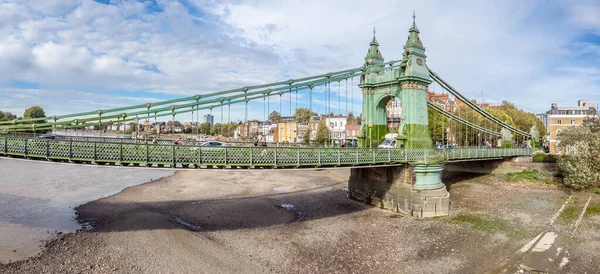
<point x="392" y="188"/>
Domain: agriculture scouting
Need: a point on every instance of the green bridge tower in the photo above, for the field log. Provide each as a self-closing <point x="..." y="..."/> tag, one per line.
<point x="408" y="82"/>
<point x="393" y="187"/>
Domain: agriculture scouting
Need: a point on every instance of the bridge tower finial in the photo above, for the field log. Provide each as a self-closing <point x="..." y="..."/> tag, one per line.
<point x="414" y="25"/>
<point x="374" y="41"/>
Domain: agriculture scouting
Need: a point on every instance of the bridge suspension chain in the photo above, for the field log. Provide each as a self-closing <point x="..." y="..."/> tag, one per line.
<point x="450" y="89"/>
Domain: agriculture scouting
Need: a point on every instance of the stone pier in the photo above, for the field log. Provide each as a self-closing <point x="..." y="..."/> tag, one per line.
<point x="416" y="189"/>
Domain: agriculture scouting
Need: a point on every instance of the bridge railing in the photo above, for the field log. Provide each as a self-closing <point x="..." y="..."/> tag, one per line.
<point x="183" y="155"/>
<point x="479" y="153"/>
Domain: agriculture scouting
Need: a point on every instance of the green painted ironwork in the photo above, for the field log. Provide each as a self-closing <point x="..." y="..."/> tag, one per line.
<point x="124" y="153"/>
<point x="408" y="82"/>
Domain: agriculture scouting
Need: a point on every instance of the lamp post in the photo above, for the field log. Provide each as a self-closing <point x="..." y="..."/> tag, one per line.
<point x="370" y="136"/>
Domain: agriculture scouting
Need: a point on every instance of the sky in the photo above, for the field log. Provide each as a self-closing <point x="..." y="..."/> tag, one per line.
<point x="81" y="55"/>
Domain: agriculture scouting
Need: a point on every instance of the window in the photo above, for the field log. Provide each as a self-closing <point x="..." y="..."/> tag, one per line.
<point x="559" y="122"/>
<point x="572" y="122"/>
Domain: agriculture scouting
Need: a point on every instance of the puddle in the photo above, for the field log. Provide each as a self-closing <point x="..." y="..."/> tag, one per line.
<point x="188" y="225"/>
<point x="290" y="207"/>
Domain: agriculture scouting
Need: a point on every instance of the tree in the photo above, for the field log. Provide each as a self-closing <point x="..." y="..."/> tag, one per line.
<point x="228" y="129"/>
<point x="7" y="116"/>
<point x="303" y="114"/>
<point x="215" y="129"/>
<point x="322" y="134"/>
<point x="438" y="123"/>
<point x="580" y="165"/>
<point x="274" y="116"/>
<point x="500" y="114"/>
<point x="34" y="112"/>
<point x="306" y="137"/>
<point x="205" y="128"/>
<point x="523" y="120"/>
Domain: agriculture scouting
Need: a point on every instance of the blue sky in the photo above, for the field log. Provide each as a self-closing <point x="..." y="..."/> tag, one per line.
<point x="80" y="55"/>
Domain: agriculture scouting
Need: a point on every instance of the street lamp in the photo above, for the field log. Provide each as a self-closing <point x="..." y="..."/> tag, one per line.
<point x="370" y="138"/>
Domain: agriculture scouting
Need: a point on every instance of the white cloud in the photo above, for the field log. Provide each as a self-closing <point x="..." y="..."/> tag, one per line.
<point x="510" y="50"/>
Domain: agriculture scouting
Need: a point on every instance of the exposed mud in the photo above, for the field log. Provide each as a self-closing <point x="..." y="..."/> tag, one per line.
<point x="241" y="222"/>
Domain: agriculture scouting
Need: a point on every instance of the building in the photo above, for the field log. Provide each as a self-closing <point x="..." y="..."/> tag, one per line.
<point x="208" y="118"/>
<point x="287" y="132"/>
<point x="313" y="124"/>
<point x="352" y="129"/>
<point x="273" y="133"/>
<point x="444" y="100"/>
<point x="337" y="128"/>
<point x="393" y="112"/>
<point x="560" y="118"/>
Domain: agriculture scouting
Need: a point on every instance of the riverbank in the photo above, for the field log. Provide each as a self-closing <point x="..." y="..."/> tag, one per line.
<point x="294" y="221"/>
<point x="37" y="199"/>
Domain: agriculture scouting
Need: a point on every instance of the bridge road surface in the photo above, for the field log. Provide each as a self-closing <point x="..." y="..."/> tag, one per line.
<point x="37" y="199"/>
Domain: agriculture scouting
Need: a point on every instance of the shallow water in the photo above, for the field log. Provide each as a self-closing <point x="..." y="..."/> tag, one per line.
<point x="37" y="199"/>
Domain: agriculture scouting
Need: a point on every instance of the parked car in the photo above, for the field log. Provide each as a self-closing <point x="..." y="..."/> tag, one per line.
<point x="48" y="136"/>
<point x="210" y="145"/>
<point x="213" y="144"/>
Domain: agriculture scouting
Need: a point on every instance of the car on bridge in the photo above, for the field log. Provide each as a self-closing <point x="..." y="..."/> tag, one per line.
<point x="389" y="141"/>
<point x="48" y="136"/>
<point x="213" y="144"/>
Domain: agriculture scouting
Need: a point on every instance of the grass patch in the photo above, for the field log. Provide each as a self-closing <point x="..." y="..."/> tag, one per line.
<point x="531" y="176"/>
<point x="593" y="208"/>
<point x="572" y="211"/>
<point x="489" y="225"/>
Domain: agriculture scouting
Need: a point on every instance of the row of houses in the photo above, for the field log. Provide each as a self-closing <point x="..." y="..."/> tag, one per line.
<point x="289" y="131"/>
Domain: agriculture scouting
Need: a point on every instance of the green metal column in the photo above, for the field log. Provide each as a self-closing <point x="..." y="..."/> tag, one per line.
<point x="428" y="176"/>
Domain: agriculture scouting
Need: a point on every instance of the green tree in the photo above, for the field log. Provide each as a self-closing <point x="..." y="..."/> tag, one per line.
<point x="437" y="125"/>
<point x="523" y="120"/>
<point x="228" y="129"/>
<point x="7" y="116"/>
<point x="303" y="114"/>
<point x="216" y="129"/>
<point x="322" y="136"/>
<point x="466" y="135"/>
<point x="274" y="116"/>
<point x="500" y="114"/>
<point x="306" y="137"/>
<point x="580" y="164"/>
<point x="205" y="128"/>
<point x="34" y="112"/>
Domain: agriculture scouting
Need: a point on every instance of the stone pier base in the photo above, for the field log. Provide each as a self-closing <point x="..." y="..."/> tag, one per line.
<point x="394" y="188"/>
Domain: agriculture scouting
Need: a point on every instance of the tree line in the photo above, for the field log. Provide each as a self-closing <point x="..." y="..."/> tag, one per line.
<point x="507" y="112"/>
<point x="32" y="112"/>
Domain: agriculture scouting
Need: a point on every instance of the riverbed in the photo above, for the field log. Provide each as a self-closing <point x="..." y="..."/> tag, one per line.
<point x="37" y="199"/>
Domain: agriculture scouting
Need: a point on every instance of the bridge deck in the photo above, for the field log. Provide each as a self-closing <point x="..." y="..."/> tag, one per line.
<point x="180" y="156"/>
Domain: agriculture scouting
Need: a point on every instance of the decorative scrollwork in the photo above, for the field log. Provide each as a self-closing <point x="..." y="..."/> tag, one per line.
<point x="413" y="85"/>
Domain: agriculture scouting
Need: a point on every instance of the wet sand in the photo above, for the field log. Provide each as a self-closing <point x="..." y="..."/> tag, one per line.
<point x="292" y="221"/>
<point x="37" y="199"/>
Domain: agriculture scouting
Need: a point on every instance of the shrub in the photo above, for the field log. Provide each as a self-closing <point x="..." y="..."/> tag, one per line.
<point x="580" y="166"/>
<point x="544" y="158"/>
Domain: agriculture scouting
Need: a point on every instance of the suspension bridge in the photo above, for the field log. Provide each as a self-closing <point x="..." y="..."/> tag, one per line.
<point x="407" y="79"/>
